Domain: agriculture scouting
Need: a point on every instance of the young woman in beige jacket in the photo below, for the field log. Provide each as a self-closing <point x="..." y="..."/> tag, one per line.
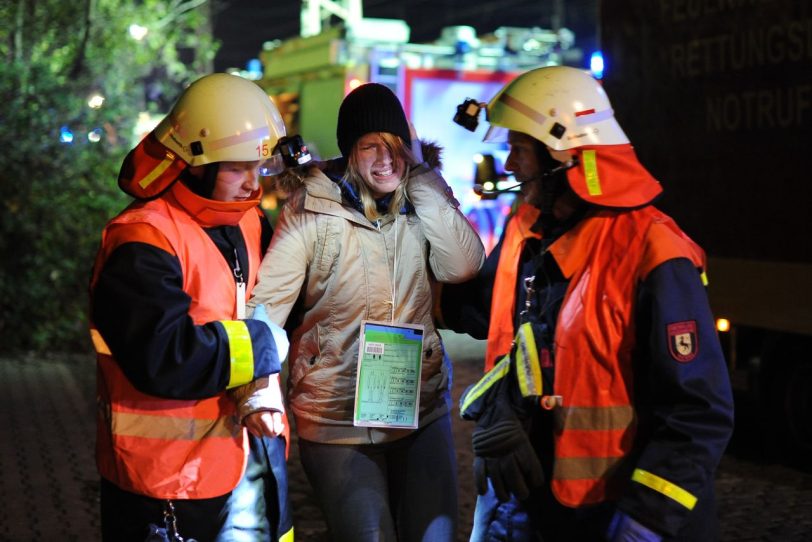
<point x="367" y="238"/>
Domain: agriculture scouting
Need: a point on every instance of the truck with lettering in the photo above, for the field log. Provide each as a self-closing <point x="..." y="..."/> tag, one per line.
<point x="716" y="96"/>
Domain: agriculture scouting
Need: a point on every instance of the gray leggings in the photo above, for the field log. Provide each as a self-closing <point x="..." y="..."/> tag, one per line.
<point x="404" y="491"/>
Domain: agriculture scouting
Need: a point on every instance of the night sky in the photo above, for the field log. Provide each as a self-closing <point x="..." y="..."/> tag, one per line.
<point x="243" y="25"/>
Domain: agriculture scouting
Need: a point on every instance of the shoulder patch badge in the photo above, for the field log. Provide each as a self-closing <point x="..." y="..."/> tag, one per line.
<point x="683" y="343"/>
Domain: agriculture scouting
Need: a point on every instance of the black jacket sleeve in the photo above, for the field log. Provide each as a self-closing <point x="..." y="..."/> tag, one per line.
<point x="139" y="307"/>
<point x="466" y="307"/>
<point x="683" y="399"/>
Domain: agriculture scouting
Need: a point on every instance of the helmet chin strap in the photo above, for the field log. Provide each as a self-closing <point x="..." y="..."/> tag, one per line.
<point x="553" y="186"/>
<point x="553" y="183"/>
<point x="202" y="186"/>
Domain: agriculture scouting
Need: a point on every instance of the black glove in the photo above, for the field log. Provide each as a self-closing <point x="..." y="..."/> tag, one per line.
<point x="503" y="453"/>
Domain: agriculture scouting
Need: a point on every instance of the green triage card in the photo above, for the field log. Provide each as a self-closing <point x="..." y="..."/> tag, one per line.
<point x="387" y="388"/>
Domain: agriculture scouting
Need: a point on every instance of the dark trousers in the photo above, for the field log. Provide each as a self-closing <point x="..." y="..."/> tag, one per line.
<point x="126" y="516"/>
<point x="404" y="491"/>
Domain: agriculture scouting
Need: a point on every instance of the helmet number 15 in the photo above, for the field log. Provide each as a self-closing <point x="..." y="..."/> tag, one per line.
<point x="263" y="150"/>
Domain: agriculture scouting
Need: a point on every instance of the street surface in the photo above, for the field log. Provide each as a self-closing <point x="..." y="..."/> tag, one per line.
<point x="49" y="487"/>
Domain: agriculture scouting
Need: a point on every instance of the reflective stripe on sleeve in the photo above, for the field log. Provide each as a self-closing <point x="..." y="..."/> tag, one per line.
<point x="661" y="485"/>
<point x="485" y="383"/>
<point x="241" y="352"/>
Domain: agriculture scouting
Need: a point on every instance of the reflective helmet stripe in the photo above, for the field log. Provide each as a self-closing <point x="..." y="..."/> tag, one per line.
<point x="99" y="343"/>
<point x="593" y="181"/>
<point x="590" y="116"/>
<point x="522" y="108"/>
<point x="156" y="173"/>
<point x="256" y="134"/>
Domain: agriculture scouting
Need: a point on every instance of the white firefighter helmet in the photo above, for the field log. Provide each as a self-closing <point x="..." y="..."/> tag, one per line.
<point x="222" y="118"/>
<point x="561" y="106"/>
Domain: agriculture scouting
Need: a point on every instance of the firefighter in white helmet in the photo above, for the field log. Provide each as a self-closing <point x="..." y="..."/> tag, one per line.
<point x="173" y="341"/>
<point x="607" y="405"/>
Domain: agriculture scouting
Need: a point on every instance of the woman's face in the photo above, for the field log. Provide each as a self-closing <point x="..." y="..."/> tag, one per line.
<point x="380" y="171"/>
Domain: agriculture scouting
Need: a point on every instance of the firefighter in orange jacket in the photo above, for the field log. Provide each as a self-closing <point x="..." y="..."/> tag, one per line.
<point x="607" y="405"/>
<point x="168" y="298"/>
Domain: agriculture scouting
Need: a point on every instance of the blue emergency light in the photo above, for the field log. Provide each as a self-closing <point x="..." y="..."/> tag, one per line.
<point x="596" y="64"/>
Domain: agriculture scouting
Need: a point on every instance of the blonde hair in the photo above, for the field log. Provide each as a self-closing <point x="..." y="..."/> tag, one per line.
<point x="401" y="154"/>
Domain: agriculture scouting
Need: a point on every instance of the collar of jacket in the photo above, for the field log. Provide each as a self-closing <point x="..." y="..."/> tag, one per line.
<point x="574" y="246"/>
<point x="208" y="212"/>
<point x="322" y="195"/>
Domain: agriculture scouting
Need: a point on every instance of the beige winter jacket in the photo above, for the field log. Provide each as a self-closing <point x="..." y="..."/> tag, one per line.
<point x="344" y="269"/>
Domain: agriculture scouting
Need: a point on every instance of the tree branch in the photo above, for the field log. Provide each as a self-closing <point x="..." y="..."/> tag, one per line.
<point x="79" y="61"/>
<point x="179" y="7"/>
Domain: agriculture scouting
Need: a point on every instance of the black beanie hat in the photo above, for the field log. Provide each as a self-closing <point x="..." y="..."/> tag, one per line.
<point x="370" y="108"/>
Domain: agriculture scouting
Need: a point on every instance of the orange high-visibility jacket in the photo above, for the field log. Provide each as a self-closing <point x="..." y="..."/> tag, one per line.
<point x="500" y="331"/>
<point x="168" y="448"/>
<point x="604" y="257"/>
